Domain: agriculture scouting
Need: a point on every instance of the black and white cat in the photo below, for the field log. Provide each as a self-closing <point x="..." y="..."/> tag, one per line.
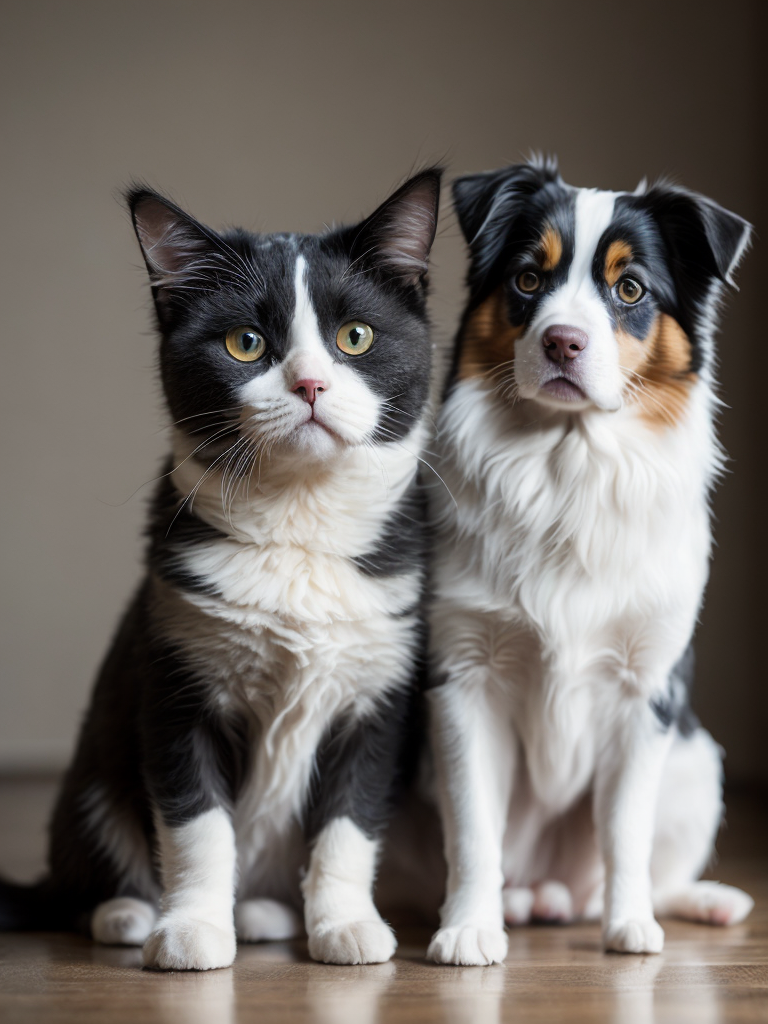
<point x="249" y="718"/>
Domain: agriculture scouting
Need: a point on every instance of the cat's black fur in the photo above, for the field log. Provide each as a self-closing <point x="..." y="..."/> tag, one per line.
<point x="154" y="746"/>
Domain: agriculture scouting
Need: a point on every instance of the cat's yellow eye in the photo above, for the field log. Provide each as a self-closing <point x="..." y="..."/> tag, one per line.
<point x="245" y="344"/>
<point x="630" y="291"/>
<point x="528" y="282"/>
<point x="354" y="338"/>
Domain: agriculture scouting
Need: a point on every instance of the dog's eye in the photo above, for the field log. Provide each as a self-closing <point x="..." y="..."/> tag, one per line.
<point x="245" y="344"/>
<point x="528" y="282"/>
<point x="354" y="338"/>
<point x="630" y="291"/>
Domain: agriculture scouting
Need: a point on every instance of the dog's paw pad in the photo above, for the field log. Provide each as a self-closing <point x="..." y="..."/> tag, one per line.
<point x="356" y="942"/>
<point x="634" y="936"/>
<point x="187" y="944"/>
<point x="123" y="922"/>
<point x="468" y="946"/>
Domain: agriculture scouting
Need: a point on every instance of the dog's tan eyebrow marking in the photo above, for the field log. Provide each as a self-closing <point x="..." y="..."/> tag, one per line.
<point x="550" y="248"/>
<point x="618" y="256"/>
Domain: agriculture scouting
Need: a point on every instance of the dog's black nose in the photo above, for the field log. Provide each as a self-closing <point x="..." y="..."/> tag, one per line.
<point x="561" y="342"/>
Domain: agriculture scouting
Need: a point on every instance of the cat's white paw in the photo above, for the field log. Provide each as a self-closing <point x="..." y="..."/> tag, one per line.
<point x="123" y="922"/>
<point x="266" y="921"/>
<point x="639" y="935"/>
<point x="468" y="946"/>
<point x="187" y="944"/>
<point x="355" y="942"/>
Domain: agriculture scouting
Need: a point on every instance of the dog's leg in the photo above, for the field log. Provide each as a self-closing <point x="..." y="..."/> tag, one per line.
<point x="473" y="749"/>
<point x="689" y="814"/>
<point x="626" y="790"/>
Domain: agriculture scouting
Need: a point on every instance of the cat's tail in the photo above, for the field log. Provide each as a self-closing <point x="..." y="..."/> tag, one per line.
<point x="29" y="908"/>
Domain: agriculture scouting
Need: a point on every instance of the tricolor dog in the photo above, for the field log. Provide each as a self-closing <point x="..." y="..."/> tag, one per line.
<point x="577" y="441"/>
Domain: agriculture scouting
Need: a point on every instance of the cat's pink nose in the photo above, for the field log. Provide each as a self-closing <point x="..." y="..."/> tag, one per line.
<point x="309" y="389"/>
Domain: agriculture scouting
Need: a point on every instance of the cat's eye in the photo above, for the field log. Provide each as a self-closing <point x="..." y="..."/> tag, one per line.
<point x="629" y="290"/>
<point x="245" y="344"/>
<point x="355" y="338"/>
<point x="528" y="282"/>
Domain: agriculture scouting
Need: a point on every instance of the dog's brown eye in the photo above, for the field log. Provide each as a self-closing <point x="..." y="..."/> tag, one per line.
<point x="630" y="291"/>
<point x="245" y="344"/>
<point x="528" y="282"/>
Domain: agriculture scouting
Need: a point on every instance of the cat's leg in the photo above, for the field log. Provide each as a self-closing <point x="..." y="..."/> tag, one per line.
<point x="627" y="784"/>
<point x="123" y="921"/>
<point x="349" y="806"/>
<point x="689" y="814"/>
<point x="266" y="921"/>
<point x="343" y="924"/>
<point x="473" y="747"/>
<point x="188" y="748"/>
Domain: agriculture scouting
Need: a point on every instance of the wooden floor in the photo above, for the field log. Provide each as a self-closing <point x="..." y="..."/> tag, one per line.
<point x="704" y="976"/>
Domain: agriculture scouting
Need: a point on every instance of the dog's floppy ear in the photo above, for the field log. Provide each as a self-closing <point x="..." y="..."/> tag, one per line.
<point x="481" y="198"/>
<point x="704" y="241"/>
<point x="487" y="205"/>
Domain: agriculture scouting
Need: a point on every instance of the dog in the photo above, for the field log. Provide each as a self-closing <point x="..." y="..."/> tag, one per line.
<point x="577" y="444"/>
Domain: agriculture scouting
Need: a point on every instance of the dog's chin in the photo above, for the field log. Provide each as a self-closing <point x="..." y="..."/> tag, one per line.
<point x="566" y="395"/>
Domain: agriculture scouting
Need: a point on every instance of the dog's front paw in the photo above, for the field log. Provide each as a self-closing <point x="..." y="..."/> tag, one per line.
<point x="639" y="935"/>
<point x="468" y="946"/>
<point x="188" y="944"/>
<point x="354" y="942"/>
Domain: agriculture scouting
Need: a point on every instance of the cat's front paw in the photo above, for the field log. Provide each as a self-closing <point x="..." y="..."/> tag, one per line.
<point x="639" y="935"/>
<point x="188" y="944"/>
<point x="355" y="942"/>
<point x="468" y="946"/>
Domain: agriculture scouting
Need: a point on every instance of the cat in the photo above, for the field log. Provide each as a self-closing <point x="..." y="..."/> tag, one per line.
<point x="247" y="727"/>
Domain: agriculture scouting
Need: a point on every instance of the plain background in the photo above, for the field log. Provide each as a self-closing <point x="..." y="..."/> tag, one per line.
<point x="283" y="116"/>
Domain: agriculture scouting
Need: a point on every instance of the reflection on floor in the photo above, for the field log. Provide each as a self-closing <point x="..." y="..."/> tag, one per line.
<point x="705" y="975"/>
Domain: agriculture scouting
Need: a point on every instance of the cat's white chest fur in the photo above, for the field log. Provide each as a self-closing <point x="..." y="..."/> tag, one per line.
<point x="294" y="633"/>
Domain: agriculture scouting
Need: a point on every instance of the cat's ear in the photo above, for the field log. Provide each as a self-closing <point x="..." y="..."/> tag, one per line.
<point x="180" y="253"/>
<point x="397" y="237"/>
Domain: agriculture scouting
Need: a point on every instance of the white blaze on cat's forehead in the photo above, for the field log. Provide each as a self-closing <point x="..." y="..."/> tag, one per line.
<point x="307" y="355"/>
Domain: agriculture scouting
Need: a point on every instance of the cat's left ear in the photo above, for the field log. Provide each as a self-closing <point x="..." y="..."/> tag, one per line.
<point x="180" y="253"/>
<point x="397" y="237"/>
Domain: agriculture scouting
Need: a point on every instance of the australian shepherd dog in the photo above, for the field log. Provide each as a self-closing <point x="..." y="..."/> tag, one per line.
<point x="577" y="442"/>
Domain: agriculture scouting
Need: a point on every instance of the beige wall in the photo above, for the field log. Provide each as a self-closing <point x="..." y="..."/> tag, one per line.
<point x="283" y="116"/>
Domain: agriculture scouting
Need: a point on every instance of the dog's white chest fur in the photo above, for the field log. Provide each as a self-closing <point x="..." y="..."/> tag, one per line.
<point x="575" y="552"/>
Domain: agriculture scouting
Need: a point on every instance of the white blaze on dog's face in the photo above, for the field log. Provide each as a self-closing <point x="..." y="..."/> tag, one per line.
<point x="585" y="299"/>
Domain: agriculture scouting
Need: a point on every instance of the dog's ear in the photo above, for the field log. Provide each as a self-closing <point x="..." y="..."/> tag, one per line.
<point x="487" y="205"/>
<point x="479" y="199"/>
<point x="704" y="241"/>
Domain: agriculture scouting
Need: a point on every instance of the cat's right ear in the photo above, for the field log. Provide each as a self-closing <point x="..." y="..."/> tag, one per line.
<point x="396" y="239"/>
<point x="179" y="252"/>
